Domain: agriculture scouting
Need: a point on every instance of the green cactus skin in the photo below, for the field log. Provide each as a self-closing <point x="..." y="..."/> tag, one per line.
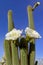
<point x="6" y="43"/>
<point x="15" y="59"/>
<point x="23" y="52"/>
<point x="10" y="27"/>
<point x="32" y="44"/>
<point x="23" y="56"/>
<point x="32" y="54"/>
<point x="10" y="21"/>
<point x="30" y="17"/>
<point x="7" y="52"/>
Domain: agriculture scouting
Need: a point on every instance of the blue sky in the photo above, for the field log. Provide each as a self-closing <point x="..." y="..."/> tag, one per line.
<point x="19" y="9"/>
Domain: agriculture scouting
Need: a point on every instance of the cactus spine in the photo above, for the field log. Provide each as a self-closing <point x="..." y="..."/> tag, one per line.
<point x="32" y="44"/>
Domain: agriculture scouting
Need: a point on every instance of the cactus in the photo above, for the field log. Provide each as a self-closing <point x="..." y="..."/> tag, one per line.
<point x="23" y="57"/>
<point x="7" y="44"/>
<point x="23" y="52"/>
<point x="10" y="27"/>
<point x="32" y="44"/>
<point x="13" y="47"/>
<point x="7" y="52"/>
<point x="10" y="21"/>
<point x="30" y="17"/>
<point x="9" y="47"/>
<point x="15" y="59"/>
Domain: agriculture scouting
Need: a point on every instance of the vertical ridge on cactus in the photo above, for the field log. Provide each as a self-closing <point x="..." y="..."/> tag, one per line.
<point x="23" y="56"/>
<point x="23" y="51"/>
<point x="15" y="59"/>
<point x="32" y="44"/>
<point x="7" y="52"/>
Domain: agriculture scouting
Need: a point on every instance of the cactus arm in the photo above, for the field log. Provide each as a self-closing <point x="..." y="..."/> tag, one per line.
<point x="10" y="21"/>
<point x="15" y="59"/>
<point x="7" y="52"/>
<point x="13" y="47"/>
<point x="30" y="17"/>
<point x="32" y="44"/>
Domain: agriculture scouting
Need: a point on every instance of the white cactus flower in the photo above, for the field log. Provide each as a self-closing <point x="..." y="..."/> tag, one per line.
<point x="2" y="60"/>
<point x="32" y="33"/>
<point x="13" y="35"/>
<point x="38" y="3"/>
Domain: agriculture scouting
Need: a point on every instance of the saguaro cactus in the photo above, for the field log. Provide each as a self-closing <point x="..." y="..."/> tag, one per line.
<point x="7" y="44"/>
<point x="11" y="45"/>
<point x="11" y="51"/>
<point x="32" y="44"/>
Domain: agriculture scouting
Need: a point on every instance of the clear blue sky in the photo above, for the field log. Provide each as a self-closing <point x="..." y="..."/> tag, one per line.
<point x="19" y="8"/>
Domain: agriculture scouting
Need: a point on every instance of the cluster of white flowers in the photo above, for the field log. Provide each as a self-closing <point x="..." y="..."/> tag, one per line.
<point x="14" y="34"/>
<point x="32" y="33"/>
<point x="3" y="61"/>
